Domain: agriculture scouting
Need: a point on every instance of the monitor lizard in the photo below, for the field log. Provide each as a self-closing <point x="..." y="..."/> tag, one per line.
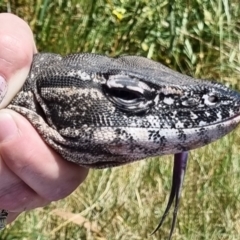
<point x="100" y="112"/>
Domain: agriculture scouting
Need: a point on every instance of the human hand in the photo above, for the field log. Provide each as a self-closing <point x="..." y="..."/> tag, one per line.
<point x="31" y="173"/>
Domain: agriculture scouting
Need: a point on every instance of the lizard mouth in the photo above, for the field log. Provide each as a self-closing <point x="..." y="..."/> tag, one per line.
<point x="104" y="164"/>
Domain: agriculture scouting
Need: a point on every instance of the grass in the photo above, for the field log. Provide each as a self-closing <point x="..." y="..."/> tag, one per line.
<point x="199" y="38"/>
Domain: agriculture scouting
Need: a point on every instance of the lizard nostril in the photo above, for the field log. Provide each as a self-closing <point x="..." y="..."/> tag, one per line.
<point x="213" y="99"/>
<point x="210" y="99"/>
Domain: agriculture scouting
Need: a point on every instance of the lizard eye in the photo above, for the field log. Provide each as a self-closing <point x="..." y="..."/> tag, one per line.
<point x="124" y="94"/>
<point x="128" y="94"/>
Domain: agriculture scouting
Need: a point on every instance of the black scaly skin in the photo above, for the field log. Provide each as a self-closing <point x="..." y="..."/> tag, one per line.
<point x="102" y="112"/>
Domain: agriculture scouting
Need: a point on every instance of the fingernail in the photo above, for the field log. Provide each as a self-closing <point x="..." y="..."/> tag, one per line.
<point x="3" y="88"/>
<point x="8" y="127"/>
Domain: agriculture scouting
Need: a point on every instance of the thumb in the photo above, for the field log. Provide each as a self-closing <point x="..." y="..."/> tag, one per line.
<point x="16" y="50"/>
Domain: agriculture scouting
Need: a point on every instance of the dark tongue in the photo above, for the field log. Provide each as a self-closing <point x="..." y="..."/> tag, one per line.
<point x="179" y="168"/>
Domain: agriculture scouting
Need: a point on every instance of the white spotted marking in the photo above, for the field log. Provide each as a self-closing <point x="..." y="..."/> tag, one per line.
<point x="202" y="123"/>
<point x="193" y="116"/>
<point x="168" y="100"/>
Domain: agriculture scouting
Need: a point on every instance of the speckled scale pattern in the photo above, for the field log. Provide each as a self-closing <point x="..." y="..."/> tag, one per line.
<point x="101" y="112"/>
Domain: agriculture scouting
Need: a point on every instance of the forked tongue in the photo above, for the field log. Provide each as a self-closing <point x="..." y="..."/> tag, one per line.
<point x="179" y="169"/>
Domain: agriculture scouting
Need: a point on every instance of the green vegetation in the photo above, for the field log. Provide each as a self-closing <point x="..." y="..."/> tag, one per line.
<point x="200" y="38"/>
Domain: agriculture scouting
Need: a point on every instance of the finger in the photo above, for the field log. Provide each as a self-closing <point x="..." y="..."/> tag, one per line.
<point x="40" y="167"/>
<point x="16" y="50"/>
<point x="15" y="195"/>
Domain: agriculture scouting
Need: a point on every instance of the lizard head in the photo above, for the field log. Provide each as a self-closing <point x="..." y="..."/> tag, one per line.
<point x="126" y="108"/>
<point x="172" y="111"/>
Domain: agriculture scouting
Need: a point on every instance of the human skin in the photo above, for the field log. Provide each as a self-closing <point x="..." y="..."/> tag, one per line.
<point x="31" y="173"/>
